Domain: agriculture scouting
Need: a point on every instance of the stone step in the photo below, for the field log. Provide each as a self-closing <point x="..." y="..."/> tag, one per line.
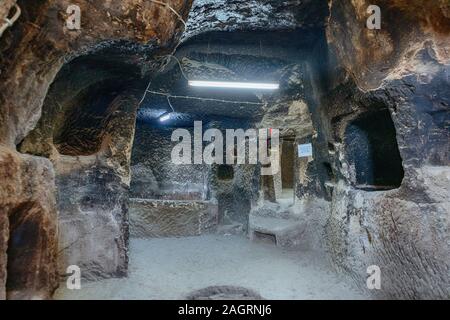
<point x="285" y="232"/>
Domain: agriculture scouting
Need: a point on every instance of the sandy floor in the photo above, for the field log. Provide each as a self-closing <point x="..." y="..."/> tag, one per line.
<point x="171" y="268"/>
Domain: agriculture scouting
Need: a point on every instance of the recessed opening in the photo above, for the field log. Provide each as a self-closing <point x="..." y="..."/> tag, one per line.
<point x="331" y="147"/>
<point x="287" y="164"/>
<point x="25" y="238"/>
<point x="372" y="151"/>
<point x="225" y="172"/>
<point x="329" y="171"/>
<point x="82" y="128"/>
<point x="287" y="168"/>
<point x="265" y="237"/>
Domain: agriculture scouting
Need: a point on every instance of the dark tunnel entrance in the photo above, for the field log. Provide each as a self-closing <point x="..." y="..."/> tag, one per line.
<point x="25" y="277"/>
<point x="372" y="150"/>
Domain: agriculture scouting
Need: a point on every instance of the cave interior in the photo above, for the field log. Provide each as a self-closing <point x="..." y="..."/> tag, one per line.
<point x="370" y="191"/>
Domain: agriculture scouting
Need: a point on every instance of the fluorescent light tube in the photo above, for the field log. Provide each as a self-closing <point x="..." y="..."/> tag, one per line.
<point x="164" y="117"/>
<point x="236" y="85"/>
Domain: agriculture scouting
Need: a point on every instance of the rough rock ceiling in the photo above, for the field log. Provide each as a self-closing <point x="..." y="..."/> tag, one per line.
<point x="234" y="40"/>
<point x="227" y="56"/>
<point x="404" y="229"/>
<point x="268" y="15"/>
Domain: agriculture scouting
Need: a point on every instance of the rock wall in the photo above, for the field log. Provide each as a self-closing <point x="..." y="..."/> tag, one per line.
<point x="352" y="73"/>
<point x="87" y="133"/>
<point x="28" y="229"/>
<point x="235" y="192"/>
<point x="32" y="53"/>
<point x="403" y="68"/>
<point x="404" y="230"/>
<point x="234" y="15"/>
<point x="5" y="8"/>
<point x="93" y="199"/>
<point x="155" y="176"/>
<point x="42" y="37"/>
<point x="372" y="55"/>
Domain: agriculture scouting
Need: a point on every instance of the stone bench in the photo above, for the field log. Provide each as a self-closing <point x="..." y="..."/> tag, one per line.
<point x="151" y="218"/>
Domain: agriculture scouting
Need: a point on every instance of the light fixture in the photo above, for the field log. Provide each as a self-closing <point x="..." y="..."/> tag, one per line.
<point x="165" y="117"/>
<point x="236" y="85"/>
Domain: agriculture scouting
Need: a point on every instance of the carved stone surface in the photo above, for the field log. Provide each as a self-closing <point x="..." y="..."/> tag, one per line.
<point x="171" y="218"/>
<point x="32" y="53"/>
<point x="68" y="103"/>
<point x="5" y="8"/>
<point x="29" y="232"/>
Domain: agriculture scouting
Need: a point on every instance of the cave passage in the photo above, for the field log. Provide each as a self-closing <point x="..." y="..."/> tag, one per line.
<point x="197" y="206"/>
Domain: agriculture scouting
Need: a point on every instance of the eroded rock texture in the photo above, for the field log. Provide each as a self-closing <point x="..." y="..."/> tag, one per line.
<point x="28" y="238"/>
<point x="373" y="103"/>
<point x="266" y="15"/>
<point x="150" y="218"/>
<point x="92" y="177"/>
<point x="87" y="138"/>
<point x="153" y="174"/>
<point x="371" y="56"/>
<point x="41" y="36"/>
<point x="5" y="8"/>
<point x="405" y="230"/>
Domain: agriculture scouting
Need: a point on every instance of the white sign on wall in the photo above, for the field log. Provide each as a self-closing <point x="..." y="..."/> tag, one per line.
<point x="305" y="150"/>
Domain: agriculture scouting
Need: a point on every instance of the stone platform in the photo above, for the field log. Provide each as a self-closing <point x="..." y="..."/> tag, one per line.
<point x="151" y="218"/>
